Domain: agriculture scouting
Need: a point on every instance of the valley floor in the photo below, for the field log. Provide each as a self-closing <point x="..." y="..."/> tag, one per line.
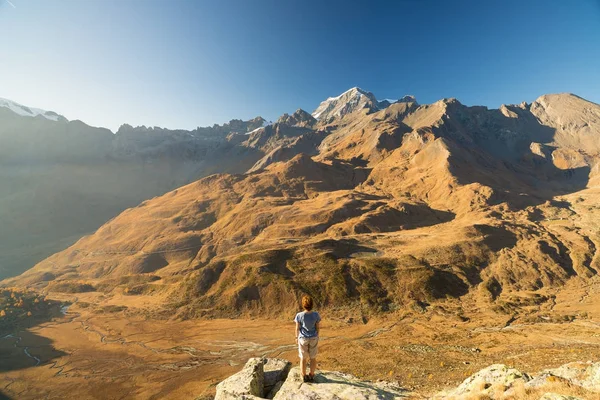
<point x="88" y="355"/>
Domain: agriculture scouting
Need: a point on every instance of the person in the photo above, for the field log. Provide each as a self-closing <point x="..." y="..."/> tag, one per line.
<point x="307" y="337"/>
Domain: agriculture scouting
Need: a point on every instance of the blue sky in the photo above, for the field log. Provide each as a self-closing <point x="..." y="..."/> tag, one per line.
<point x="182" y="64"/>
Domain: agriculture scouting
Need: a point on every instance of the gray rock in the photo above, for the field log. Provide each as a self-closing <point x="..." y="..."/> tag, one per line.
<point x="487" y="382"/>
<point x="246" y="384"/>
<point x="498" y="382"/>
<point x="586" y="375"/>
<point x="544" y="379"/>
<point x="275" y="370"/>
<point x="275" y="390"/>
<point x="338" y="386"/>
<point x="272" y="379"/>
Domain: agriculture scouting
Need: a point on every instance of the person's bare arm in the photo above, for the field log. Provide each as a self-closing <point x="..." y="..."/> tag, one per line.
<point x="318" y="327"/>
<point x="297" y="330"/>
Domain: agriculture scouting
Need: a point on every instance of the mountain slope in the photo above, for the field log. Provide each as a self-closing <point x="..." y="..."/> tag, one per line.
<point x="350" y="101"/>
<point x="62" y="179"/>
<point x="400" y="207"/>
<point x="28" y="111"/>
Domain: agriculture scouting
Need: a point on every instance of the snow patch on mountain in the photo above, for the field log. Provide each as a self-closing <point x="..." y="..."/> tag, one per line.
<point x="352" y="100"/>
<point x="347" y="102"/>
<point x="264" y="125"/>
<point x="407" y="99"/>
<point x="254" y="130"/>
<point x="28" y="111"/>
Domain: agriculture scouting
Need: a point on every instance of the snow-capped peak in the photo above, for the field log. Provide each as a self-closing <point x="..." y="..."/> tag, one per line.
<point x="351" y="100"/>
<point x="352" y="91"/>
<point x="28" y="111"/>
<point x="347" y="102"/>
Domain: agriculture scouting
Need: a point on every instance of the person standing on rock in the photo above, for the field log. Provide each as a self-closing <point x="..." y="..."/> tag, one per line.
<point x="307" y="337"/>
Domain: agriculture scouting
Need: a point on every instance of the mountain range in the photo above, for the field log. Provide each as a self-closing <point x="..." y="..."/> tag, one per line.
<point x="62" y="179"/>
<point x="365" y="204"/>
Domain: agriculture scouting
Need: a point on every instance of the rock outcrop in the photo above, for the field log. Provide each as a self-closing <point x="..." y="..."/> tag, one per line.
<point x="279" y="383"/>
<point x="246" y="384"/>
<point x="272" y="379"/>
<point x="489" y="381"/>
<point x="298" y="118"/>
<point x="585" y="375"/>
<point x="336" y="385"/>
<point x="276" y="371"/>
<point x="499" y="381"/>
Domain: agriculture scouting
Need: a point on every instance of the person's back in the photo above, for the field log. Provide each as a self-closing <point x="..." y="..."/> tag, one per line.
<point x="308" y="323"/>
<point x="307" y="336"/>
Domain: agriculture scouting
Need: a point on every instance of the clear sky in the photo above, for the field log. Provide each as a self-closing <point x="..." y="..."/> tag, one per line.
<point x="182" y="64"/>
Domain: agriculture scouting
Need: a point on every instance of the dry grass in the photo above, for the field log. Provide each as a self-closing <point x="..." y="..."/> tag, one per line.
<point x="520" y="392"/>
<point x="562" y="388"/>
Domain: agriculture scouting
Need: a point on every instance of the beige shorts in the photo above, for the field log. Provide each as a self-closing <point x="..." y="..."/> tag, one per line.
<point x="307" y="347"/>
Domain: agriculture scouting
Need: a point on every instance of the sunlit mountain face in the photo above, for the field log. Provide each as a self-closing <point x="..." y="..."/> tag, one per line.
<point x="176" y="177"/>
<point x="337" y="192"/>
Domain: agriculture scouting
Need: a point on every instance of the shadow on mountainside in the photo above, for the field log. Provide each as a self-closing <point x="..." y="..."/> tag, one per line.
<point x="24" y="349"/>
<point x="496" y="238"/>
<point x="19" y="347"/>
<point x="61" y="180"/>
<point x="343" y="248"/>
<point x="500" y="156"/>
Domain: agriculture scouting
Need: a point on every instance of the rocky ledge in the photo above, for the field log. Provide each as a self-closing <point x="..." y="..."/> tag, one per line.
<point x="269" y="378"/>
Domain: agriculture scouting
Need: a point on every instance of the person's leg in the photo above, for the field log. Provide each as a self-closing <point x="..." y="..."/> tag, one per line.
<point x="313" y="355"/>
<point x="303" y="362"/>
<point x="313" y="366"/>
<point x="303" y="351"/>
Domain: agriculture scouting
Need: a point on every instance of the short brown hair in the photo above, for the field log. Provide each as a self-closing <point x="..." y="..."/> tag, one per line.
<point x="307" y="302"/>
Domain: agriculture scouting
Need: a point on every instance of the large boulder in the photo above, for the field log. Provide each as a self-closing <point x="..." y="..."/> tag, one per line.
<point x="502" y="382"/>
<point x="494" y="381"/>
<point x="586" y="375"/>
<point x="338" y="386"/>
<point x="260" y="378"/>
<point x="246" y="384"/>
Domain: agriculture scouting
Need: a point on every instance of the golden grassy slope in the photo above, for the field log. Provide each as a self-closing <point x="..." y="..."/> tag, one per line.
<point x="401" y="208"/>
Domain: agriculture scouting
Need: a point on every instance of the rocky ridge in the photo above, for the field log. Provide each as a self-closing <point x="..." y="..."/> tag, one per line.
<point x="63" y="179"/>
<point x="379" y="211"/>
<point x="30" y="111"/>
